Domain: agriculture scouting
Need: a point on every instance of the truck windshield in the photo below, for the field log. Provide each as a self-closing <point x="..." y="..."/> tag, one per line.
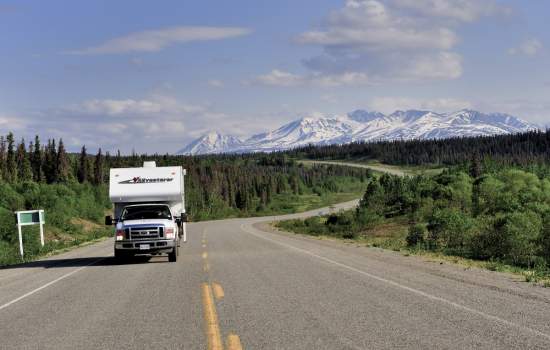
<point x="146" y="212"/>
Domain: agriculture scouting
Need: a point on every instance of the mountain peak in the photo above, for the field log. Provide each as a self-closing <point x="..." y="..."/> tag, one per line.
<point x="361" y="125"/>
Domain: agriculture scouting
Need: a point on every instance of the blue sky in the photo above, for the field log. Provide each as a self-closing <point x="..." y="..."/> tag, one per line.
<point x="153" y="75"/>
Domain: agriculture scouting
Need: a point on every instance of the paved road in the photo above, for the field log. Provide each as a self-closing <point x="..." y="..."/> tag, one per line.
<point x="238" y="286"/>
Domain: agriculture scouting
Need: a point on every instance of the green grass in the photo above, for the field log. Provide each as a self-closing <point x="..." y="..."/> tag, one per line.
<point x="56" y="242"/>
<point x="390" y="235"/>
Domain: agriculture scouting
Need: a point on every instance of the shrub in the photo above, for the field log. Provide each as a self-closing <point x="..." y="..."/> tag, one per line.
<point x="416" y="235"/>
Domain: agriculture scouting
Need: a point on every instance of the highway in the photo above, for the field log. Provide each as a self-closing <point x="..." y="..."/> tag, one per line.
<point x="239" y="285"/>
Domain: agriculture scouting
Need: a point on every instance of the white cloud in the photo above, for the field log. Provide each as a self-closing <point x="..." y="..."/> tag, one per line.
<point x="281" y="78"/>
<point x="391" y="104"/>
<point x="377" y="41"/>
<point x="370" y="25"/>
<point x="156" y="40"/>
<point x="529" y="47"/>
<point x="460" y="10"/>
<point x="442" y="65"/>
<point x="156" y="123"/>
<point x="215" y="83"/>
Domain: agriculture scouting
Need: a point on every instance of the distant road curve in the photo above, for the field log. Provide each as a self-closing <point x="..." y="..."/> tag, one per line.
<point x="379" y="168"/>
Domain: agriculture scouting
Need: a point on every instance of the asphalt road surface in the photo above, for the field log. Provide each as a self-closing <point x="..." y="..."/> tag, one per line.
<point x="238" y="286"/>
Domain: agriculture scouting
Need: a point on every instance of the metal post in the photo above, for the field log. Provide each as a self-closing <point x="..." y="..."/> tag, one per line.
<point x="40" y="214"/>
<point x="20" y="236"/>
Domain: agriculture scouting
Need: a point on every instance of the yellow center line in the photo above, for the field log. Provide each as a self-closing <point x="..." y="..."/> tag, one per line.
<point x="206" y="267"/>
<point x="234" y="342"/>
<point x="204" y="255"/>
<point x="213" y="336"/>
<point x="218" y="291"/>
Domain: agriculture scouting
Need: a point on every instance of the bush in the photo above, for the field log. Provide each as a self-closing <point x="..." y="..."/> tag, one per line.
<point x="416" y="235"/>
<point x="521" y="231"/>
<point x="449" y="229"/>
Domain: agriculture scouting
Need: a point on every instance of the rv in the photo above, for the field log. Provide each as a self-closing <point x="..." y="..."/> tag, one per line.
<point x="149" y="210"/>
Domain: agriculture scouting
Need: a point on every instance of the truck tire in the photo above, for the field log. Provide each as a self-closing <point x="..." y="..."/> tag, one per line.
<point x="173" y="255"/>
<point x="120" y="255"/>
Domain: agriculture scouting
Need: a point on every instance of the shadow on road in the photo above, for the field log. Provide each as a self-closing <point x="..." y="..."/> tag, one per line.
<point x="88" y="261"/>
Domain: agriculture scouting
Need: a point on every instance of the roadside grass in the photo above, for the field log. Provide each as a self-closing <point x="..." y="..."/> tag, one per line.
<point x="56" y="241"/>
<point x="391" y="235"/>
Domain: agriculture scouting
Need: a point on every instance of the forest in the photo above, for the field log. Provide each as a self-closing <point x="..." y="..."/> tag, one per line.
<point x="485" y="213"/>
<point x="72" y="188"/>
<point x="528" y="150"/>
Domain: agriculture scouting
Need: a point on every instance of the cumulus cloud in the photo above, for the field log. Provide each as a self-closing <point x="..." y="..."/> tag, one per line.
<point x="156" y="123"/>
<point x="281" y="78"/>
<point x="460" y="10"/>
<point x="156" y="40"/>
<point x="529" y="47"/>
<point x="391" y="104"/>
<point x="387" y="40"/>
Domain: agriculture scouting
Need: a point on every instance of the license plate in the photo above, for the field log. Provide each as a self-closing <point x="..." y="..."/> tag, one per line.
<point x="144" y="247"/>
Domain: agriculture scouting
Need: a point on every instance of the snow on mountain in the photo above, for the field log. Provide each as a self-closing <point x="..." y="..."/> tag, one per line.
<point x="213" y="142"/>
<point x="362" y="125"/>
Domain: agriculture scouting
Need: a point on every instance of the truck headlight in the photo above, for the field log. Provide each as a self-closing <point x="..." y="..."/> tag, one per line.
<point x="170" y="233"/>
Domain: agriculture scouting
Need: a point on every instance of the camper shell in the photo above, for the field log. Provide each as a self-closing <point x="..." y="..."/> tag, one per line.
<point x="148" y="187"/>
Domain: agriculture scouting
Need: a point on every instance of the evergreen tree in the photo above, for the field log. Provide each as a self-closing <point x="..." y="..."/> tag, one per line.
<point x="63" y="168"/>
<point x="11" y="164"/>
<point x="36" y="161"/>
<point x="24" y="172"/>
<point x="49" y="166"/>
<point x="82" y="172"/>
<point x="2" y="157"/>
<point x="98" y="168"/>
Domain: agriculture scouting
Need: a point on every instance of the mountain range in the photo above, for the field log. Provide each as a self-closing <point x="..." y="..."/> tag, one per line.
<point x="362" y="125"/>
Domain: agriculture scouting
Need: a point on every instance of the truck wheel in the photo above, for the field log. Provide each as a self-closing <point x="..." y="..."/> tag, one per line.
<point x="173" y="255"/>
<point x="120" y="255"/>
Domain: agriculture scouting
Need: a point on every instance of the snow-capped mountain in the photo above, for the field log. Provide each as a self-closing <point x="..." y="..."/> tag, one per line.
<point x="362" y="125"/>
<point x="213" y="142"/>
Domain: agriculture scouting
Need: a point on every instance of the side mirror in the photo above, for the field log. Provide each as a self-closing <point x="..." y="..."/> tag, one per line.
<point x="108" y="220"/>
<point x="178" y="221"/>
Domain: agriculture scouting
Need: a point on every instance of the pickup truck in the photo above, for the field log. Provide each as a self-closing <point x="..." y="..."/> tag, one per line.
<point x="149" y="210"/>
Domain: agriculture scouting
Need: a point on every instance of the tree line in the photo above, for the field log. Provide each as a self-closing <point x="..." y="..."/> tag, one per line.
<point x="523" y="149"/>
<point x="216" y="186"/>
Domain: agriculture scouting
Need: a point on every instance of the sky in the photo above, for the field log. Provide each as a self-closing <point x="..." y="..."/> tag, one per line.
<point x="151" y="76"/>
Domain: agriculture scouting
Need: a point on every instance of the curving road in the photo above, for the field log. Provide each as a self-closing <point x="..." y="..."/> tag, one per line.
<point x="239" y="285"/>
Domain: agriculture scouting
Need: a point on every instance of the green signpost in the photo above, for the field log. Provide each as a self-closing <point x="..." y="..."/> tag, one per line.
<point x="30" y="217"/>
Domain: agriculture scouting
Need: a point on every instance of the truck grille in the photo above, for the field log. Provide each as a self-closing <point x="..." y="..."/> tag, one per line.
<point x="146" y="232"/>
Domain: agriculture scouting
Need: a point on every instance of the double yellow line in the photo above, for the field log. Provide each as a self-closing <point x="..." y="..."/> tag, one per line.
<point x="212" y="326"/>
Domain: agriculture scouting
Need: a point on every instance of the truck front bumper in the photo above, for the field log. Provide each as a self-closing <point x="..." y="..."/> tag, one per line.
<point x="146" y="246"/>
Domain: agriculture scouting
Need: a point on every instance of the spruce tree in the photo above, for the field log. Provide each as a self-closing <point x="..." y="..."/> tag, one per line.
<point x="11" y="164"/>
<point x="36" y="160"/>
<point x="2" y="157"/>
<point x="98" y="168"/>
<point x="24" y="172"/>
<point x="63" y="170"/>
<point x="82" y="172"/>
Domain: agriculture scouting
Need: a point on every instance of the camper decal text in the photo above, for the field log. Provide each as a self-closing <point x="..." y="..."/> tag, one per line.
<point x="144" y="180"/>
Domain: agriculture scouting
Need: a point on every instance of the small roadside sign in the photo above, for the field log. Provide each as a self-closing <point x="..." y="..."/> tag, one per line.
<point x="30" y="217"/>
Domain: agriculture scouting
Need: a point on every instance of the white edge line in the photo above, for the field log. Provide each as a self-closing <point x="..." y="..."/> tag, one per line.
<point x="48" y="284"/>
<point x="409" y="289"/>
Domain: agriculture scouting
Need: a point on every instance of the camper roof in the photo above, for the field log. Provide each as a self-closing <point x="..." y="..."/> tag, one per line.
<point x="147" y="184"/>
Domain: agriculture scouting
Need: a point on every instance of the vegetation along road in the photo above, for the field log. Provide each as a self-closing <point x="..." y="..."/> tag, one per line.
<point x="240" y="285"/>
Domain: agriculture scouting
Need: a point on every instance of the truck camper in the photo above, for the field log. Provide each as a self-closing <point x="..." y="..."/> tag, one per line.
<point x="149" y="210"/>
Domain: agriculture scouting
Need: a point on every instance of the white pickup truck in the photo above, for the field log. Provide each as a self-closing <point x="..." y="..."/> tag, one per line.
<point x="149" y="210"/>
